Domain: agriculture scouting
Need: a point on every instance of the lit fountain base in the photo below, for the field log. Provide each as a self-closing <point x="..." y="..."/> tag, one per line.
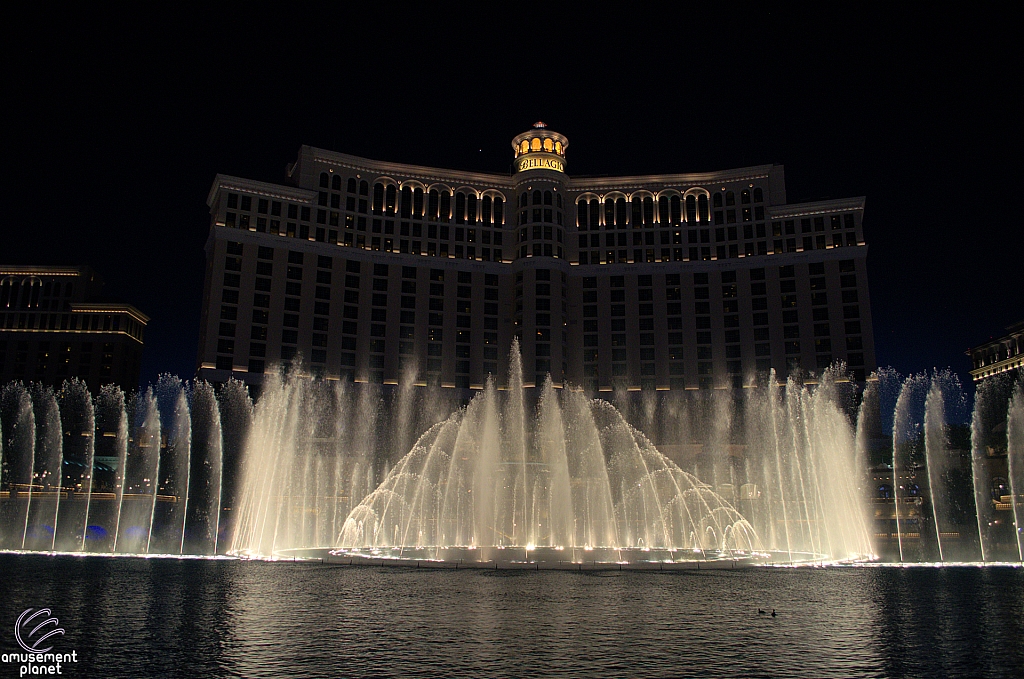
<point x="553" y="558"/>
<point x="119" y="555"/>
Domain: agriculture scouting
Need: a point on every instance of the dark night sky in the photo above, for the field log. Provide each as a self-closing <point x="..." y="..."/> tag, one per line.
<point x="117" y="124"/>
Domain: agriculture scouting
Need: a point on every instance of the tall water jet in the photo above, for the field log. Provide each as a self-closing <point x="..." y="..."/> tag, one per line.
<point x="936" y="447"/>
<point x="174" y="467"/>
<point x="944" y="407"/>
<point x="512" y="515"/>
<point x="1015" y="462"/>
<point x="142" y="470"/>
<point x="78" y="423"/>
<point x="552" y="508"/>
<point x="205" y="472"/>
<point x="112" y="447"/>
<point x="868" y="428"/>
<point x="907" y="455"/>
<point x="595" y="523"/>
<point x="19" y="430"/>
<point x="46" y="488"/>
<point x="236" y="411"/>
<point x="988" y="444"/>
<point x="290" y="489"/>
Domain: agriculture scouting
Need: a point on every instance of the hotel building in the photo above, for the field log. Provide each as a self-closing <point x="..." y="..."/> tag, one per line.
<point x="382" y="272"/>
<point x="52" y="328"/>
<point x="998" y="356"/>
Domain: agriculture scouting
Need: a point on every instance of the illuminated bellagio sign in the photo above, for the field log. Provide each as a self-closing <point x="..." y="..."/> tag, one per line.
<point x="537" y="161"/>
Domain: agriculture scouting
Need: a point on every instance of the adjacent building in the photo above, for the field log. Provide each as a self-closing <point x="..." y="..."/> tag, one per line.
<point x="54" y="326"/>
<point x="998" y="356"/>
<point x="381" y="272"/>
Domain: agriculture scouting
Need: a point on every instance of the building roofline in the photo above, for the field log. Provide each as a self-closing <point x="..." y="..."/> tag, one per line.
<point x="41" y="270"/>
<point x="269" y="189"/>
<point x="816" y="207"/>
<point x="579" y="183"/>
<point x="417" y="171"/>
<point x="584" y="183"/>
<point x="111" y="307"/>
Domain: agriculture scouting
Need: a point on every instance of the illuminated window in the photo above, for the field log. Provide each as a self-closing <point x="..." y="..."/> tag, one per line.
<point x="535" y="144"/>
<point x="691" y="208"/>
<point x="524" y="147"/>
<point x="549" y="145"/>
<point x="702" y="208"/>
<point x="558" y="147"/>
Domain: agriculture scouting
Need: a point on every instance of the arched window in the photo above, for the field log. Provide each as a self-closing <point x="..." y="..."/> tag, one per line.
<point x="485" y="210"/>
<point x="445" y="213"/>
<point x="620" y="212"/>
<point x="595" y="213"/>
<point x="378" y="198"/>
<point x="351" y="184"/>
<point x="609" y="213"/>
<point x="523" y="198"/>
<point x="432" y="205"/>
<point x="364" y="188"/>
<point x="730" y="198"/>
<point x="417" y="203"/>
<point x="663" y="210"/>
<point x="716" y="200"/>
<point x="548" y="197"/>
<point x="499" y="217"/>
<point x="676" y="209"/>
<point x="30" y="289"/>
<point x="7" y="297"/>
<point x="460" y="208"/>
<point x="406" y="207"/>
<point x="336" y="182"/>
<point x="758" y="195"/>
<point x="325" y="181"/>
<point x="389" y="199"/>
<point x="471" y="209"/>
<point x="558" y="147"/>
<point x="537" y="197"/>
<point x="745" y="196"/>
<point x="702" y="208"/>
<point x="691" y="208"/>
<point x="549" y="145"/>
<point x="535" y="144"/>
<point x="637" y="217"/>
<point x="582" y="214"/>
<point x="999" y="488"/>
<point x="648" y="211"/>
<point x="525" y="146"/>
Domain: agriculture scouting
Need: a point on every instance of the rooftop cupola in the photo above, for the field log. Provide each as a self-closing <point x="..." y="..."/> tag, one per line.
<point x="540" y="149"/>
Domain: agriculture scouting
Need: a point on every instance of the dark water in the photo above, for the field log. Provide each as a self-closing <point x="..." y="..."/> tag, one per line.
<point x="163" y="618"/>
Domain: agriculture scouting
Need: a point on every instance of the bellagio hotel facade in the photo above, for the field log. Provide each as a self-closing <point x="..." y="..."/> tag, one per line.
<point x="381" y="272"/>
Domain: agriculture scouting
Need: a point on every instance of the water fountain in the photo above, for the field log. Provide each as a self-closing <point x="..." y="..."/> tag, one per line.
<point x="533" y="474"/>
<point x="775" y="472"/>
<point x="137" y="475"/>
